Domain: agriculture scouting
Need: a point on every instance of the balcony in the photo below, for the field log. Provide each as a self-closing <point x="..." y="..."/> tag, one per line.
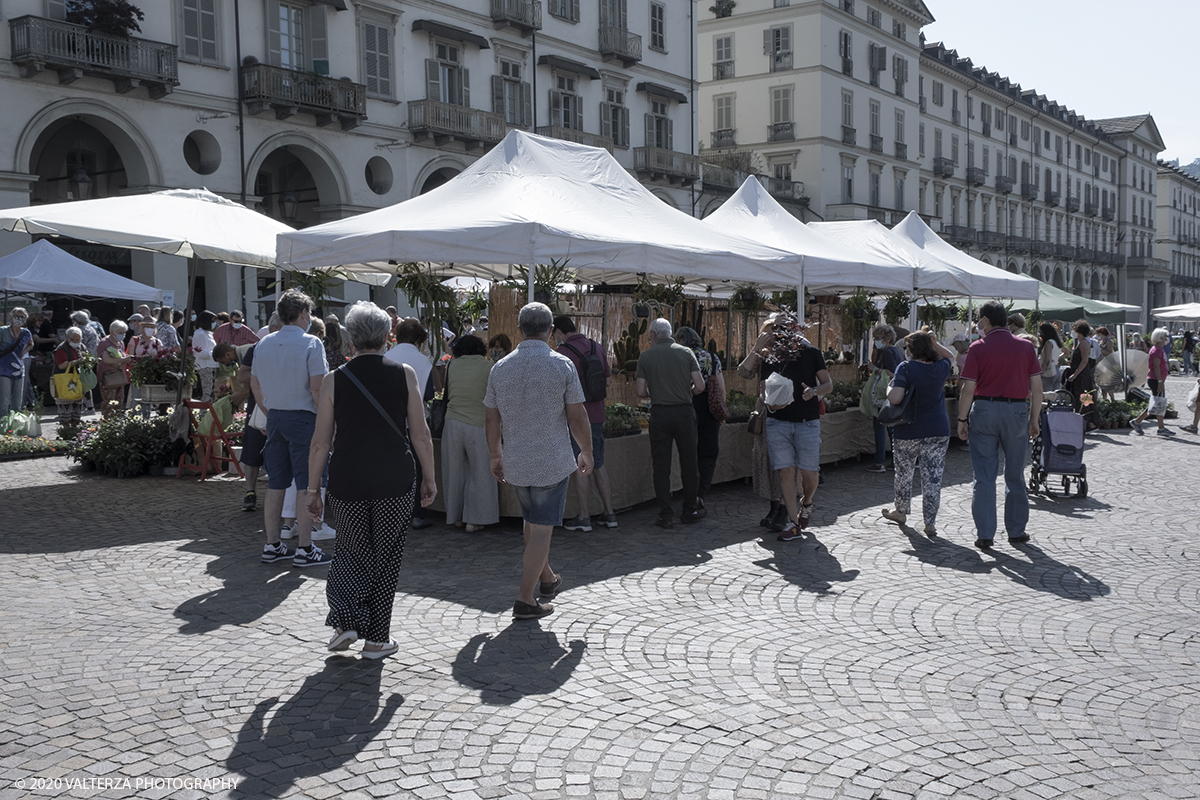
<point x="847" y="66"/>
<point x="722" y="70"/>
<point x="572" y="135"/>
<point x="618" y="43"/>
<point x="1064" y="251"/>
<point x="722" y="178"/>
<point x="901" y="151"/>
<point x="1072" y="204"/>
<point x="1108" y="213"/>
<point x="781" y="61"/>
<point x="876" y="144"/>
<point x="1090" y="209"/>
<point x="943" y="167"/>
<point x="1043" y="248"/>
<point x="524" y="15"/>
<point x="782" y="189"/>
<point x="446" y="122"/>
<point x="848" y="135"/>
<point x="976" y="176"/>
<point x="859" y="211"/>
<point x="660" y="163"/>
<point x="959" y="234"/>
<point x="781" y="132"/>
<point x="1017" y="243"/>
<point x="991" y="239"/>
<point x="73" y="52"/>
<point x="1085" y="254"/>
<point x="290" y="92"/>
<point x="1029" y="191"/>
<point x="723" y="138"/>
<point x="1004" y="184"/>
<point x="1052" y="198"/>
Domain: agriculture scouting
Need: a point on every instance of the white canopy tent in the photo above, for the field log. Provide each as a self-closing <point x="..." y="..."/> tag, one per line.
<point x="826" y="264"/>
<point x="1185" y="312"/>
<point x="534" y="200"/>
<point x="41" y="267"/>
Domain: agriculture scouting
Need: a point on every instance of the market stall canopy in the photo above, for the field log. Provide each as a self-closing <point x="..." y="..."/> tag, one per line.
<point x="534" y="200"/>
<point x="42" y="267"/>
<point x="827" y="265"/>
<point x="178" y="222"/>
<point x="1186" y="312"/>
<point x="981" y="279"/>
<point x="1061" y="305"/>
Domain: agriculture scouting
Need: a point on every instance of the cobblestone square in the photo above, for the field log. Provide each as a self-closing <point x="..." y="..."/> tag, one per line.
<point x="148" y="654"/>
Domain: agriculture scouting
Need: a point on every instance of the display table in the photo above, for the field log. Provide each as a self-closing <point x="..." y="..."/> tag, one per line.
<point x="846" y="434"/>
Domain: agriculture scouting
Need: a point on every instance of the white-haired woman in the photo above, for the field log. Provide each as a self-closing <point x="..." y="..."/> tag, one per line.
<point x="1159" y="368"/>
<point x="111" y="373"/>
<point x="66" y="358"/>
<point x="371" y="413"/>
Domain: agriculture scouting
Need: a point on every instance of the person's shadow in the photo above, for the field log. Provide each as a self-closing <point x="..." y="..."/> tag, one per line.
<point x="328" y="721"/>
<point x="251" y="591"/>
<point x="521" y="660"/>
<point x="806" y="563"/>
<point x="1044" y="574"/>
<point x="944" y="553"/>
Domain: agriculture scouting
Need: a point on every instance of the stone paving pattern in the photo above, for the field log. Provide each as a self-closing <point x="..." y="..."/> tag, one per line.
<point x="142" y="641"/>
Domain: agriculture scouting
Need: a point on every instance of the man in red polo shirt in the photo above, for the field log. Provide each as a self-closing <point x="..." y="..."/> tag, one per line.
<point x="999" y="403"/>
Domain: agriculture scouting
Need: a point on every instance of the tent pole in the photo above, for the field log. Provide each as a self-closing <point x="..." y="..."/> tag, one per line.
<point x="193" y="267"/>
<point x="912" y="310"/>
<point x="604" y="324"/>
<point x="530" y="278"/>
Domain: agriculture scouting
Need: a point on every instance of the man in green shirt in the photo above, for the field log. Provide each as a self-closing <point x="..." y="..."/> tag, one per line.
<point x="669" y="375"/>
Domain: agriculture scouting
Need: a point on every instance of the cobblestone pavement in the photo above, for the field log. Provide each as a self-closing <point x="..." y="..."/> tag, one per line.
<point x="147" y="653"/>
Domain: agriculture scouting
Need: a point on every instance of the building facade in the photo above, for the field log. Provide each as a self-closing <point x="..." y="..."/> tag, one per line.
<point x="847" y="97"/>
<point x="1177" y="231"/>
<point x="313" y="111"/>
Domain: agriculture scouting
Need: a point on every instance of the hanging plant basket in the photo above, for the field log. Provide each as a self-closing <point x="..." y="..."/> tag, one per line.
<point x="641" y="310"/>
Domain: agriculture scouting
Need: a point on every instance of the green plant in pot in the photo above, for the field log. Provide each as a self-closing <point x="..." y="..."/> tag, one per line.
<point x="934" y="317"/>
<point x="858" y="307"/>
<point x="626" y="348"/>
<point x="656" y="297"/>
<point x="438" y="301"/>
<point x="897" y="308"/>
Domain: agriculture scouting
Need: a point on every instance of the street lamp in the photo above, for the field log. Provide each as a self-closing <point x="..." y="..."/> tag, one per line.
<point x="289" y="204"/>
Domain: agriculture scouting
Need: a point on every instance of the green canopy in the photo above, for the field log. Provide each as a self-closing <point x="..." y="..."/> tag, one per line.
<point x="1066" y="307"/>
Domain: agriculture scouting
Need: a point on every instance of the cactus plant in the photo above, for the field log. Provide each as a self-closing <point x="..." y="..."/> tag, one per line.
<point x="626" y="348"/>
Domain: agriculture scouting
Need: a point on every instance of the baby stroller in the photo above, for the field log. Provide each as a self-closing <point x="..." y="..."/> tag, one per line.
<point x="1058" y="450"/>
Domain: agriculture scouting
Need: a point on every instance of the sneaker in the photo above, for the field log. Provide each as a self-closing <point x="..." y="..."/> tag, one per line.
<point x="381" y="649"/>
<point x="288" y="532"/>
<point x="312" y="557"/>
<point x="805" y="515"/>
<point x="983" y="544"/>
<point x="527" y="611"/>
<point x="323" y="533"/>
<point x="1137" y="427"/>
<point x="578" y="524"/>
<point x="607" y="520"/>
<point x="249" y="501"/>
<point x="696" y="515"/>
<point x="894" y="516"/>
<point x="1189" y="428"/>
<point x="275" y="552"/>
<point x="877" y="468"/>
<point x="790" y="533"/>
<point x="342" y="640"/>
<point x="1165" y="432"/>
<point x="779" y="519"/>
<point x="420" y="522"/>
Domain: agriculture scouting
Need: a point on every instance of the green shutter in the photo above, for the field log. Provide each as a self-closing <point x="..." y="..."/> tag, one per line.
<point x="318" y="38"/>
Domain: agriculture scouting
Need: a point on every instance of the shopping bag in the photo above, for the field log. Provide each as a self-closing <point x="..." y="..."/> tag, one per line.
<point x="1192" y="396"/>
<point x="1158" y="406"/>
<point x="34" y="428"/>
<point x="88" y="376"/>
<point x="68" y="386"/>
<point x="6" y="423"/>
<point x="780" y="391"/>
<point x="903" y="413"/>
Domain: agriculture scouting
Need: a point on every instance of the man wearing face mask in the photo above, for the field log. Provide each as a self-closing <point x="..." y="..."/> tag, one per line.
<point x="999" y="403"/>
<point x="235" y="332"/>
<point x="202" y="346"/>
<point x="15" y="341"/>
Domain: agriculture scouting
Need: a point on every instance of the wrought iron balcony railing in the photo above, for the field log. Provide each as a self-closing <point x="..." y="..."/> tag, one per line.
<point x="943" y="167"/>
<point x="290" y="92"/>
<point x="670" y="164"/>
<point x="525" y="15"/>
<point x="781" y="132"/>
<point x="976" y="176"/>
<point x="617" y="42"/>
<point x="578" y="137"/>
<point x="1004" y="184"/>
<point x="724" y="138"/>
<point x="447" y="122"/>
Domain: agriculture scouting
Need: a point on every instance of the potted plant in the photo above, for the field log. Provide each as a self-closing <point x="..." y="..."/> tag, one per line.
<point x="158" y="376"/>
<point x="858" y="305"/>
<point x="897" y="308"/>
<point x="723" y="8"/>
<point x="656" y="296"/>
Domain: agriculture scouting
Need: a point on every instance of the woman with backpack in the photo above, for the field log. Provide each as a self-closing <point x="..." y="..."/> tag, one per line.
<point x="710" y="409"/>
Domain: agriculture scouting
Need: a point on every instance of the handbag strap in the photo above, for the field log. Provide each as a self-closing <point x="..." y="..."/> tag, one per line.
<point x="345" y="370"/>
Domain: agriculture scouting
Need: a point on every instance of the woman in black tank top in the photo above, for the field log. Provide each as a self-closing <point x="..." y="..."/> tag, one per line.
<point x="371" y="414"/>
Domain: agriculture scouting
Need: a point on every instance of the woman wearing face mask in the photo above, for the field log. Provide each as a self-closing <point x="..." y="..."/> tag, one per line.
<point x="499" y="346"/>
<point x="15" y="342"/>
<point x="202" y="345"/>
<point x="66" y="357"/>
<point x="1080" y="375"/>
<point x="145" y="343"/>
<point x="885" y="357"/>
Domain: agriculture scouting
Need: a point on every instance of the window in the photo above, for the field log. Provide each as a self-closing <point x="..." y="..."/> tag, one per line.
<point x="1000" y="115"/>
<point x="848" y="109"/>
<point x="565" y="9"/>
<point x="939" y="93"/>
<point x="296" y="37"/>
<point x="847" y="183"/>
<point x="445" y="78"/>
<point x="723" y="48"/>
<point x="566" y="111"/>
<point x="900" y="74"/>
<point x="921" y="140"/>
<point x="377" y="58"/>
<point x="874" y="17"/>
<point x="875" y="118"/>
<point x="782" y="172"/>
<point x="723" y="112"/>
<point x="614" y="116"/>
<point x="899" y="126"/>
<point x="511" y="96"/>
<point x="954" y="149"/>
<point x="658" y="27"/>
<point x="984" y="161"/>
<point x="874" y="187"/>
<point x="877" y="58"/>
<point x="777" y="43"/>
<point x="900" y="31"/>
<point x="937" y="143"/>
<point x="846" y="51"/>
<point x="985" y="113"/>
<point x="848" y="6"/>
<point x="1025" y="129"/>
<point x="898" y="199"/>
<point x="199" y="31"/>
<point x="782" y="3"/>
<point x="659" y="131"/>
<point x="291" y="37"/>
<point x="781" y="104"/>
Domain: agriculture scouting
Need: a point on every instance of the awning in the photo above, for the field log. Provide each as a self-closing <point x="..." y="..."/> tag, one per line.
<point x="336" y="5"/>
<point x="567" y="65"/>
<point x="452" y="33"/>
<point x="662" y="91"/>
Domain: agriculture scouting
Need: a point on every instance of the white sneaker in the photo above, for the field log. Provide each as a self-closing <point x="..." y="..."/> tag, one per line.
<point x="323" y="533"/>
<point x="288" y="532"/>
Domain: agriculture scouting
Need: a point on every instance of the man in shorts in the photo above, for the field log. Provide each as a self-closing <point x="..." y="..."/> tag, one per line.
<point x="535" y="400"/>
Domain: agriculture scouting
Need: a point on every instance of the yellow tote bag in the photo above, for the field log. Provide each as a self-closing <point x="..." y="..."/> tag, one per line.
<point x="68" y="386"/>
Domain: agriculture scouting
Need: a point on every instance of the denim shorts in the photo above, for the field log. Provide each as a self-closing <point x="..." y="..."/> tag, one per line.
<point x="794" y="444"/>
<point x="253" y="442"/>
<point x="543" y="505"/>
<point x="285" y="455"/>
<point x="597" y="445"/>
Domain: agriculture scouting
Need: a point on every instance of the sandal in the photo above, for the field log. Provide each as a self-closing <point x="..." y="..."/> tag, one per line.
<point x="342" y="640"/>
<point x="382" y="649"/>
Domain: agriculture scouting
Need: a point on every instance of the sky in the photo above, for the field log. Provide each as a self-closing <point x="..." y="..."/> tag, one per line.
<point x="1101" y="58"/>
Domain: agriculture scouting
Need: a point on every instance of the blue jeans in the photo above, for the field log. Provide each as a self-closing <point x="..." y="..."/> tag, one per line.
<point x="1187" y="362"/>
<point x="285" y="455"/>
<point x="12" y="394"/>
<point x="994" y="428"/>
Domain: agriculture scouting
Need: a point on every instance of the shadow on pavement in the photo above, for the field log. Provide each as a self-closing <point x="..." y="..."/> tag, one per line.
<point x="328" y="721"/>
<point x="944" y="553"/>
<point x="807" y="563"/>
<point x="1044" y="574"/>
<point x="523" y="659"/>
<point x="252" y="590"/>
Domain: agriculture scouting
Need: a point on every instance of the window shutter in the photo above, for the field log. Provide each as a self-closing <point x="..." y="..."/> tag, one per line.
<point x="768" y="42"/>
<point x="56" y="9"/>
<point x="624" y="126"/>
<point x="383" y="44"/>
<point x="670" y="134"/>
<point x="575" y="10"/>
<point x="191" y="28"/>
<point x="466" y="87"/>
<point x="526" y="104"/>
<point x="273" y="54"/>
<point x="370" y="58"/>
<point x="433" y="90"/>
<point x="606" y="117"/>
<point x="497" y="94"/>
<point x="905" y="62"/>
<point x="578" y="115"/>
<point x="208" y="30"/>
<point x="318" y="38"/>
<point x="650" y="130"/>
<point x="556" y="104"/>
<point x="622" y="16"/>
